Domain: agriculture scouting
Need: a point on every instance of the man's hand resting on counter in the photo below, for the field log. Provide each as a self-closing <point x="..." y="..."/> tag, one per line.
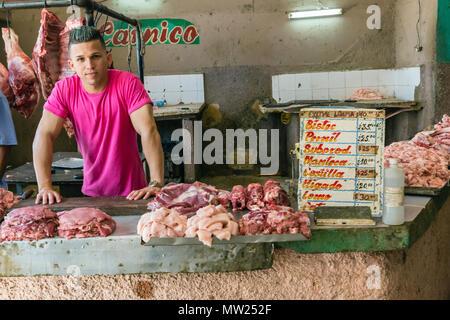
<point x="48" y="195"/>
<point x="143" y="193"/>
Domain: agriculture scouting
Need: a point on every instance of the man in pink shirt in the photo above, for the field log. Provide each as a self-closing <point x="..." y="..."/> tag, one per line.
<point x="107" y="108"/>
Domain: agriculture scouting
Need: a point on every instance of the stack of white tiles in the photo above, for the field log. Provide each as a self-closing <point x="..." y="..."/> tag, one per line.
<point x="176" y="89"/>
<point x="391" y="83"/>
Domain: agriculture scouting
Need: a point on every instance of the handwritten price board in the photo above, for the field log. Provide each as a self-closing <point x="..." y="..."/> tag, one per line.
<point x="341" y="158"/>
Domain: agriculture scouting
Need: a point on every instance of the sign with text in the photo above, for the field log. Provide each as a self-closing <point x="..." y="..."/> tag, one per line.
<point x="341" y="158"/>
<point x="155" y="31"/>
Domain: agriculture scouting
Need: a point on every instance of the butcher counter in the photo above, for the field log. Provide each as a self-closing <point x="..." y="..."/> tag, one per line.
<point x="407" y="261"/>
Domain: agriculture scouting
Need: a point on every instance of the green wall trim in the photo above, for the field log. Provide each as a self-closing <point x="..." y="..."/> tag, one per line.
<point x="443" y="32"/>
<point x="359" y="239"/>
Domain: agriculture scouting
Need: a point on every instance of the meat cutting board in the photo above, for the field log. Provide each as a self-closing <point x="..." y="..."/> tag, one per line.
<point x="115" y="206"/>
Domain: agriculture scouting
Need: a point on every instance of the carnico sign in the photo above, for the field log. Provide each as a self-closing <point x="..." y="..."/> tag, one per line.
<point x="155" y="31"/>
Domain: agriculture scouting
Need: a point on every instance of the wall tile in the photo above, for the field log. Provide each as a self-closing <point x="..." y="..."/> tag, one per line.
<point x="302" y="81"/>
<point x="286" y="82"/>
<point x="336" y="80"/>
<point x="353" y="79"/>
<point x="287" y="95"/>
<point x="319" y="80"/>
<point x="337" y="93"/>
<point x="188" y="82"/>
<point x="320" y="94"/>
<point x="386" y="77"/>
<point x="387" y="91"/>
<point x="401" y="77"/>
<point x="275" y="86"/>
<point x="414" y="76"/>
<point x="173" y="97"/>
<point x="172" y="82"/>
<point x="370" y="78"/>
<point x="188" y="97"/>
<point x="303" y="94"/>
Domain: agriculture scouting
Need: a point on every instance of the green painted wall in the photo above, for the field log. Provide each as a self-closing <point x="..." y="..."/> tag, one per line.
<point x="443" y="32"/>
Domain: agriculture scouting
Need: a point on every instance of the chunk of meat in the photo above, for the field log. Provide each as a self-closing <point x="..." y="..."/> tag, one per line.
<point x="46" y="52"/>
<point x="64" y="35"/>
<point x="424" y="167"/>
<point x="186" y="198"/>
<point x="22" y="78"/>
<point x="366" y="94"/>
<point x="238" y="198"/>
<point x="255" y="196"/>
<point x="29" y="223"/>
<point x="275" y="195"/>
<point x="5" y="86"/>
<point x="162" y="223"/>
<point x="212" y="220"/>
<point x="255" y="222"/>
<point x="85" y="222"/>
<point x="7" y="200"/>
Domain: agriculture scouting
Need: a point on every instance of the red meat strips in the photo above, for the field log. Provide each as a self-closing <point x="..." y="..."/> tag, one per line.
<point x="84" y="223"/>
<point x="29" y="223"/>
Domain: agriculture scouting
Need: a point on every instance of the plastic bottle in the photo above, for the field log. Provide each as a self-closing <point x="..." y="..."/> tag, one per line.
<point x="394" y="182"/>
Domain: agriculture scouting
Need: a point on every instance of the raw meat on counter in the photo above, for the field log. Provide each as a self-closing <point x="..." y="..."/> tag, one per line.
<point x="5" y="86"/>
<point x="439" y="138"/>
<point x="238" y="197"/>
<point x="29" y="223"/>
<point x="212" y="220"/>
<point x="275" y="195"/>
<point x="366" y="94"/>
<point x="46" y="52"/>
<point x="424" y="167"/>
<point x="84" y="223"/>
<point x="22" y="78"/>
<point x="162" y="223"/>
<point x="278" y="220"/>
<point x="187" y="198"/>
<point x="255" y="196"/>
<point x="7" y="200"/>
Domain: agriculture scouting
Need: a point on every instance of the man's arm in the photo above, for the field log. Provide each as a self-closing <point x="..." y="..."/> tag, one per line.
<point x="48" y="130"/>
<point x="145" y="125"/>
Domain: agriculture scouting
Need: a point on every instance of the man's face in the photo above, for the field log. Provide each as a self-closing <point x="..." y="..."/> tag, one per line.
<point x="90" y="61"/>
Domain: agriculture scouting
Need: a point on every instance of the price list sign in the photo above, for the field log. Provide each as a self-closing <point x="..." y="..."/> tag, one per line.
<point x="341" y="158"/>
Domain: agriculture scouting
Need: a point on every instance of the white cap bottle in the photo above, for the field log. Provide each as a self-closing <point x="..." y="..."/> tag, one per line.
<point x="394" y="182"/>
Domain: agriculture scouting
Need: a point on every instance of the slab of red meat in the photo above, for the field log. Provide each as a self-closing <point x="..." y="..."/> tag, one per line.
<point x="46" y="52"/>
<point x="255" y="196"/>
<point x="5" y="86"/>
<point x="64" y="35"/>
<point x="84" y="223"/>
<point x="275" y="195"/>
<point x="277" y="220"/>
<point x="223" y="198"/>
<point x="29" y="223"/>
<point x="22" y="78"/>
<point x="238" y="197"/>
<point x="7" y="200"/>
<point x="186" y="198"/>
<point x="255" y="222"/>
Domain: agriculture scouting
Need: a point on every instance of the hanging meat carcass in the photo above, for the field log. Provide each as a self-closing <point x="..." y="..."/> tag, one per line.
<point x="4" y="85"/>
<point x="46" y="52"/>
<point x="22" y="78"/>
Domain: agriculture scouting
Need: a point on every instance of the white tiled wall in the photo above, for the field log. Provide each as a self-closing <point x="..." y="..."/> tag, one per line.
<point x="176" y="89"/>
<point x="391" y="83"/>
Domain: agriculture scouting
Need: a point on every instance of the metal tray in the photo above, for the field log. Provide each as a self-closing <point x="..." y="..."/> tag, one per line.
<point x="234" y="239"/>
<point x="69" y="163"/>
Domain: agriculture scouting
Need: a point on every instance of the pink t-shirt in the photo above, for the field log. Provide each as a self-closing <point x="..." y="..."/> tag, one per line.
<point x="104" y="132"/>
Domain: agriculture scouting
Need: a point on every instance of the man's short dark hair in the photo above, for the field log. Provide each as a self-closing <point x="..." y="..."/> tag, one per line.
<point x="85" y="34"/>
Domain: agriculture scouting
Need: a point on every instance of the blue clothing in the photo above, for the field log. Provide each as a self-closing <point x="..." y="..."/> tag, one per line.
<point x="7" y="132"/>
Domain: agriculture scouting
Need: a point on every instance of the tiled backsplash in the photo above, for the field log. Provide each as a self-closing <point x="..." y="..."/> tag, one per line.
<point x="391" y="83"/>
<point x="176" y="89"/>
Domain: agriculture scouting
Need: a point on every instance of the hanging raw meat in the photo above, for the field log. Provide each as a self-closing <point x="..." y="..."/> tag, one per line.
<point x="4" y="85"/>
<point x="46" y="52"/>
<point x="22" y="78"/>
<point x="64" y="56"/>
